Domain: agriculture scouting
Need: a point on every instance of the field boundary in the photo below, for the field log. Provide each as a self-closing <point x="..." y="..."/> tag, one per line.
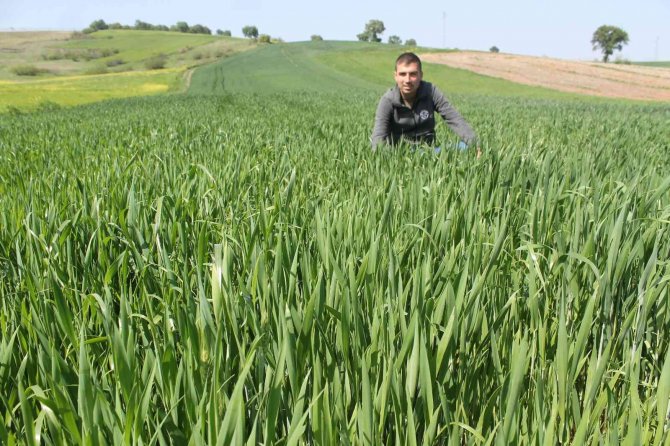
<point x="590" y="78"/>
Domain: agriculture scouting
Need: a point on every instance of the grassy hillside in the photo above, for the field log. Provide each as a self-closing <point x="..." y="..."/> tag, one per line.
<point x="227" y="65"/>
<point x="58" y="54"/>
<point x="346" y="67"/>
<point x="181" y="48"/>
<point x="665" y="64"/>
<point x="74" y="90"/>
<point x="282" y="67"/>
<point x="21" y="48"/>
<point x="106" y="64"/>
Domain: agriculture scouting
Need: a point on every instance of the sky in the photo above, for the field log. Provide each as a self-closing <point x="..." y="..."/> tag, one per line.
<point x="552" y="28"/>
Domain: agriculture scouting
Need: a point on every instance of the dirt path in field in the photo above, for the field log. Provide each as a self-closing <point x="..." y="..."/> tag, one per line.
<point x="188" y="75"/>
<point x="592" y="78"/>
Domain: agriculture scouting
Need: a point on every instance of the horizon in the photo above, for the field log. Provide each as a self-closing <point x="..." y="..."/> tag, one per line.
<point x="523" y="27"/>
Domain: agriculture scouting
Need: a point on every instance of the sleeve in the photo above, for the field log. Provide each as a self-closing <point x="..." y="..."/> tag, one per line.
<point x="383" y="117"/>
<point x="453" y="119"/>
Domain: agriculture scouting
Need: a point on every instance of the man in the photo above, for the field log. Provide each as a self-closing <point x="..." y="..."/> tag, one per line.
<point x="405" y="112"/>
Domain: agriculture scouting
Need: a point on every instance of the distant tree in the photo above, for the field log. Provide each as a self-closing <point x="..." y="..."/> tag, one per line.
<point x="315" y="37"/>
<point x="199" y="29"/>
<point x="410" y="42"/>
<point x="181" y="27"/>
<point x="144" y="26"/>
<point x="98" y="25"/>
<point x="372" y="29"/>
<point x="394" y="40"/>
<point x="161" y="28"/>
<point x="264" y="38"/>
<point x="219" y="32"/>
<point x="115" y="25"/>
<point x="277" y="40"/>
<point x="494" y="49"/>
<point x="250" y="31"/>
<point x="607" y="39"/>
<point x="227" y="33"/>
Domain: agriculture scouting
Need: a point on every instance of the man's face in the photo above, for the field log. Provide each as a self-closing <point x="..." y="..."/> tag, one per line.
<point x="408" y="77"/>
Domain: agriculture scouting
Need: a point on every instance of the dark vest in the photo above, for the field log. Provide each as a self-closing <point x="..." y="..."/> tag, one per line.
<point x="416" y="124"/>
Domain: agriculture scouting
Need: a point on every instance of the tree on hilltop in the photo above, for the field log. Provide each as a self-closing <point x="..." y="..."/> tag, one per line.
<point x="372" y="29"/>
<point x="607" y="39"/>
<point x="410" y="42"/>
<point x="394" y="40"/>
<point x="250" y="31"/>
<point x="98" y="25"/>
<point x="315" y="37"/>
<point x="199" y="29"/>
<point x="181" y="27"/>
<point x="143" y="26"/>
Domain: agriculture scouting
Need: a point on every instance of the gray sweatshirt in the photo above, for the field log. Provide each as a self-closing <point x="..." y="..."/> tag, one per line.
<point x="395" y="121"/>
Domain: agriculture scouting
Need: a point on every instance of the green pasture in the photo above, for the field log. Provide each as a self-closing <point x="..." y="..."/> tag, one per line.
<point x="129" y="48"/>
<point x="280" y="68"/>
<point x="75" y="90"/>
<point x="665" y="64"/>
<point x="347" y="67"/>
<point x="67" y="82"/>
<point x="136" y="46"/>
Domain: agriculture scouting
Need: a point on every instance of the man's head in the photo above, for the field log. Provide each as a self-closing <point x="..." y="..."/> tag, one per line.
<point x="408" y="74"/>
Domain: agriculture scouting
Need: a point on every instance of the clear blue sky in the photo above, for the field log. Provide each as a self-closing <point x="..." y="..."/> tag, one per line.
<point x="553" y="28"/>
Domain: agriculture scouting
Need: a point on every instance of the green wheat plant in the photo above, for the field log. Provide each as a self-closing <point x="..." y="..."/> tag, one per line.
<point x="233" y="270"/>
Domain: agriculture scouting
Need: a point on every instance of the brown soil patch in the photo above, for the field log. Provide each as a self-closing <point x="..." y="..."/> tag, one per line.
<point x="592" y="78"/>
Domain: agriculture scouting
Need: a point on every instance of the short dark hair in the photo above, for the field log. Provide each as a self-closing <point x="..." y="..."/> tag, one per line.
<point x="408" y="58"/>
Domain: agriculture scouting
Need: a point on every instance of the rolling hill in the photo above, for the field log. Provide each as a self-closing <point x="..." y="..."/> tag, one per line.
<point x="72" y="69"/>
<point x="67" y="68"/>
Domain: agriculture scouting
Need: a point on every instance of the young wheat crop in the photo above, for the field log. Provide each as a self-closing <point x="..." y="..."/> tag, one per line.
<point x="231" y="270"/>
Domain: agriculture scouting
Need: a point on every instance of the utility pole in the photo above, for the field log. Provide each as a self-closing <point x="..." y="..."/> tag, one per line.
<point x="444" y="29"/>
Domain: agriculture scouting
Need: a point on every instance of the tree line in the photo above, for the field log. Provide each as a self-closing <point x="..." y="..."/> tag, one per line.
<point x="182" y="27"/>
<point x="370" y="34"/>
<point x="606" y="38"/>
